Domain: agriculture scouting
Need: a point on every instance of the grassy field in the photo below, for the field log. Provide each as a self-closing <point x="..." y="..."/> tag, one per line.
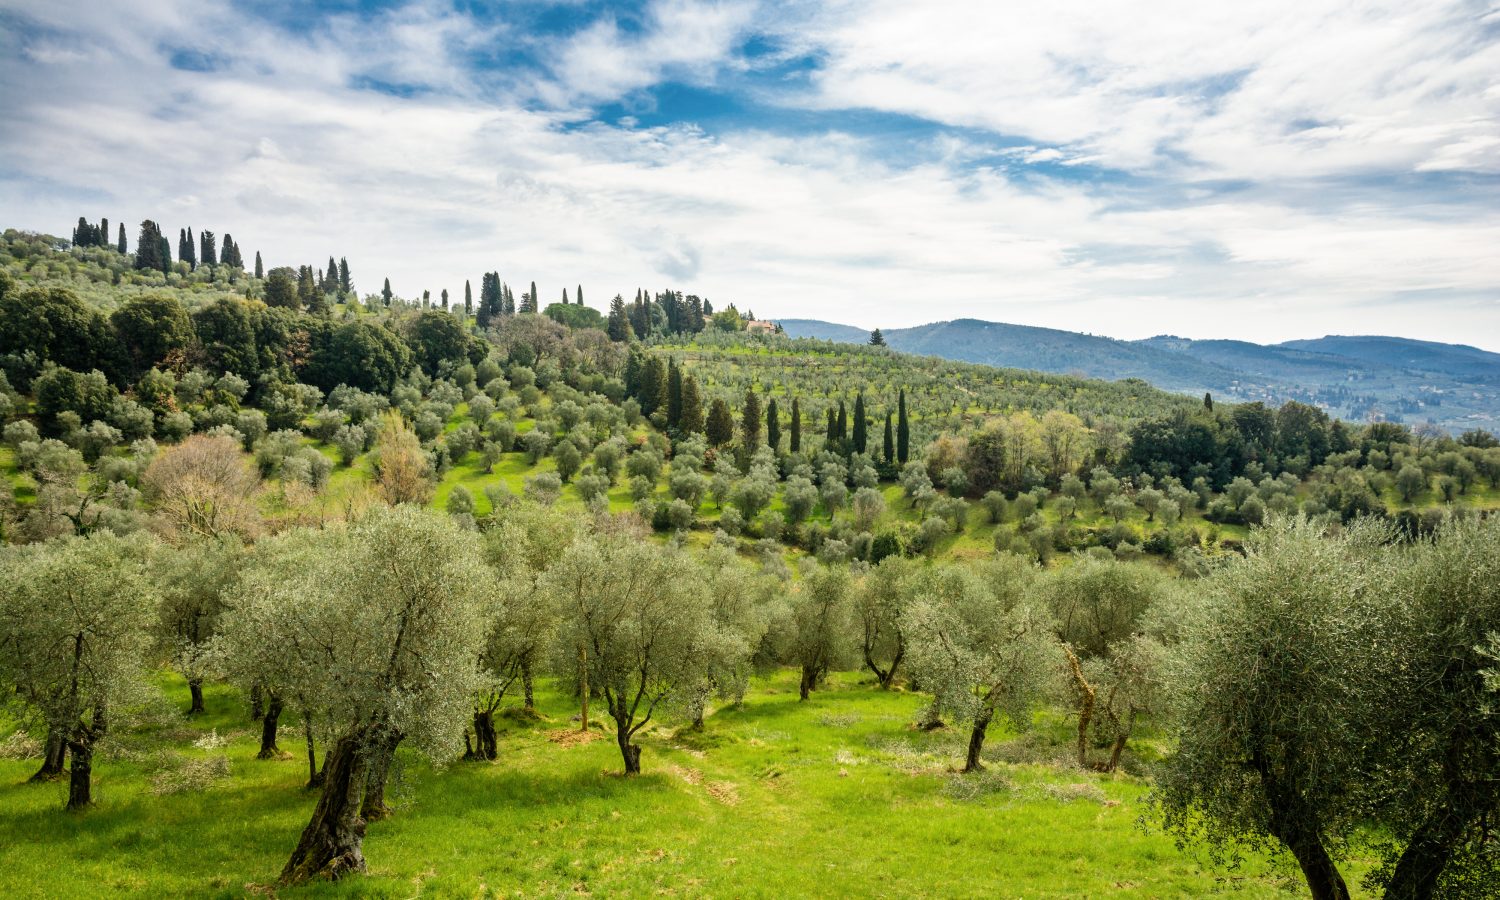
<point x="838" y="796"/>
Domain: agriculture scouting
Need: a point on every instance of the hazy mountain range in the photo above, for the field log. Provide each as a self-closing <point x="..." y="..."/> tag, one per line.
<point x="1357" y="378"/>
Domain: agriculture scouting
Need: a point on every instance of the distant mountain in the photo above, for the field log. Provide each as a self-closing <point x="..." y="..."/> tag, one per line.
<point x="1356" y="378"/>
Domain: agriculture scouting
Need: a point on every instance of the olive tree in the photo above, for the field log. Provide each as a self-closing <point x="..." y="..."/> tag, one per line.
<point x="204" y="487"/>
<point x="75" y="617"/>
<point x="640" y="622"/>
<point x="378" y="627"/>
<point x="980" y="644"/>
<point x="817" y="633"/>
<point x="1270" y="698"/>
<point x="192" y="582"/>
<point x="1098" y="606"/>
<point x="741" y="615"/>
<point x="881" y="603"/>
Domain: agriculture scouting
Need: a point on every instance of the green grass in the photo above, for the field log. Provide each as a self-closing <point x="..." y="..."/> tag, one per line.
<point x="835" y="797"/>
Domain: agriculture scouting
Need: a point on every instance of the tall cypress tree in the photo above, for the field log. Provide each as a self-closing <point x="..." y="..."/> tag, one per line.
<point x="120" y="244"/>
<point x="565" y="300"/>
<point x="260" y="269"/>
<point x="185" y="249"/>
<point x="674" y="395"/>
<point x="903" y="430"/>
<point x="166" y="253"/>
<point x="536" y="304"/>
<point x="890" y="439"/>
<point x="720" y="424"/>
<point x="103" y="233"/>
<point x="346" y="284"/>
<point x="208" y="248"/>
<point x="468" y="299"/>
<point x="750" y="420"/>
<point x="692" y="407"/>
<point x="773" y="425"/>
<point x="796" y="437"/>
<point x="653" y="392"/>
<point x="578" y="298"/>
<point x="385" y="292"/>
<point x="445" y="299"/>
<point x="843" y="422"/>
<point x="831" y="430"/>
<point x="618" y="325"/>
<point x="229" y="253"/>
<point x="860" y="434"/>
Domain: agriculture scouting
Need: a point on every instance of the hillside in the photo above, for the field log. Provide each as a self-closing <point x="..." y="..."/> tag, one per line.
<point x="1355" y="378"/>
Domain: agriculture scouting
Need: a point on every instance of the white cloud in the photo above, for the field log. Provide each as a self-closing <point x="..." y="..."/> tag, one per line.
<point x="276" y="147"/>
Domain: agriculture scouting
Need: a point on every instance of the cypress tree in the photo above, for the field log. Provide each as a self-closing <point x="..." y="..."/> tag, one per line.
<point x="535" y="303"/>
<point x="185" y="249"/>
<point x="796" y="437"/>
<point x="860" y="435"/>
<point x="692" y="407"/>
<point x="720" y="425"/>
<point x="843" y="422"/>
<point x="345" y="282"/>
<point x="208" y="248"/>
<point x="260" y="269"/>
<point x="468" y="299"/>
<point x="510" y="301"/>
<point x="426" y="299"/>
<point x="903" y="430"/>
<point x="565" y="300"/>
<point x="229" y="254"/>
<point x="1208" y="401"/>
<point x="773" y="425"/>
<point x="750" y="420"/>
<point x="103" y="233"/>
<point x="330" y="275"/>
<point x="578" y="297"/>
<point x="831" y="430"/>
<point x="890" y="439"/>
<point x="619" y="322"/>
<point x="653" y="393"/>
<point x="120" y="245"/>
<point x="166" y="253"/>
<point x="674" y="395"/>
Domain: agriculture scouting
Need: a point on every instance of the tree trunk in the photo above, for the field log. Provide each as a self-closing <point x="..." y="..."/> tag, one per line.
<point x="1323" y="878"/>
<point x="381" y="751"/>
<point x="257" y="709"/>
<point x="1429" y="851"/>
<point x="583" y="675"/>
<point x="630" y="752"/>
<point x="976" y="740"/>
<point x="79" y="781"/>
<point x="1297" y="826"/>
<point x="809" y="681"/>
<point x="268" y="723"/>
<point x="486" y="743"/>
<point x="195" y="689"/>
<point x="314" y="777"/>
<point x="526" y="686"/>
<point x="1085" y="706"/>
<point x="330" y="844"/>
<point x="55" y="758"/>
<point x="1121" y="736"/>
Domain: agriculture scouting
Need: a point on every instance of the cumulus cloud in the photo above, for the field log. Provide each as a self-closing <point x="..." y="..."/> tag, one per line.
<point x="1268" y="172"/>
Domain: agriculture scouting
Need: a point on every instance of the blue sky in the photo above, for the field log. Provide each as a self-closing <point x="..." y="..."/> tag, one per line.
<point x="1126" y="168"/>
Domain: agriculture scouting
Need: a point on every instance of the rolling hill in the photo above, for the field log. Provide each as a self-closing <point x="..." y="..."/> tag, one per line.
<point x="1454" y="386"/>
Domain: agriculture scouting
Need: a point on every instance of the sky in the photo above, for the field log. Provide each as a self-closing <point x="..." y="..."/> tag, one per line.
<point x="1261" y="171"/>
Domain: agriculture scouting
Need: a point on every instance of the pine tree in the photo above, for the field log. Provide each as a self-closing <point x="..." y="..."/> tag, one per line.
<point x="796" y="437"/>
<point x="773" y="425"/>
<point x="346" y="284"/>
<point x="674" y="395"/>
<point x="260" y="269"/>
<point x="619" y="323"/>
<point x="860" y="434"/>
<point x="120" y="245"/>
<point x="385" y="292"/>
<point x="903" y="431"/>
<point x="720" y="425"/>
<point x="468" y="299"/>
<point x="877" y="339"/>
<point x="692" y="407"/>
<point x="890" y="440"/>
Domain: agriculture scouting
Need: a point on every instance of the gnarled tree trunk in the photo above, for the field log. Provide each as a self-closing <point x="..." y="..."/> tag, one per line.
<point x="630" y="752"/>
<point x="314" y="777"/>
<point x="486" y="742"/>
<point x="268" y="723"/>
<point x="809" y="681"/>
<point x="1085" y="705"/>
<point x="55" y="757"/>
<point x="195" y="690"/>
<point x="382" y="751"/>
<point x="257" y="708"/>
<point x="81" y="743"/>
<point x="331" y="843"/>
<point x="526" y="686"/>
<point x="1297" y="826"/>
<point x="976" y="739"/>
